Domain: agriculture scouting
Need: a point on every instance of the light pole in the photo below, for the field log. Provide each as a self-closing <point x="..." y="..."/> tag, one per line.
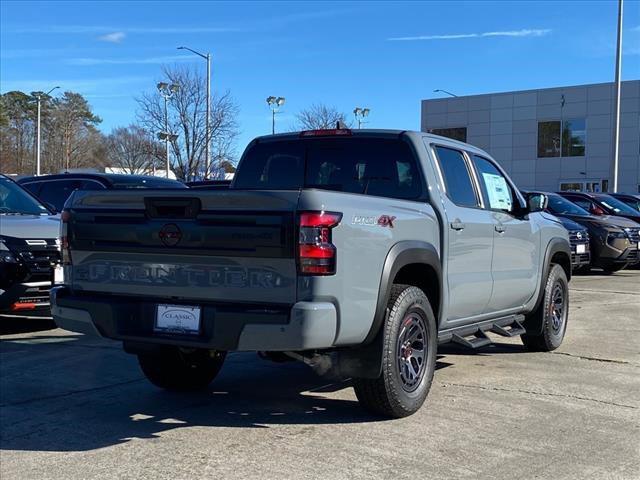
<point x="207" y="160"/>
<point x="360" y="114"/>
<point x="444" y="91"/>
<point x="38" y="131"/>
<point x="167" y="91"/>
<point x="616" y="115"/>
<point x="274" y="103"/>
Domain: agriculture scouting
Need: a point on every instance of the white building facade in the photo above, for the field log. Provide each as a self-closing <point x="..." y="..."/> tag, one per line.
<point x="548" y="139"/>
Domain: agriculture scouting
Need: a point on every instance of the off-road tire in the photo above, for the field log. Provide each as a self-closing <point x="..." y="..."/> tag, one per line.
<point x="552" y="333"/>
<point x="387" y="395"/>
<point x="178" y="369"/>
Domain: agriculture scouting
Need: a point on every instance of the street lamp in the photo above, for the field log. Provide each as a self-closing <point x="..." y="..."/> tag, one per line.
<point x="167" y="90"/>
<point x="616" y="104"/>
<point x="444" y="91"/>
<point x="39" y="96"/>
<point x="360" y="114"/>
<point x="274" y="103"/>
<point x="207" y="154"/>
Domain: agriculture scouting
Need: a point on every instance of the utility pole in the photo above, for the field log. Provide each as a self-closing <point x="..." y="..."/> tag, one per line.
<point x="616" y="114"/>
<point x="167" y="91"/>
<point x="39" y="96"/>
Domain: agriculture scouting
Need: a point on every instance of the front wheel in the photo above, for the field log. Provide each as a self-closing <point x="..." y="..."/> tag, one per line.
<point x="408" y="357"/>
<point x="553" y="313"/>
<point x="174" y="368"/>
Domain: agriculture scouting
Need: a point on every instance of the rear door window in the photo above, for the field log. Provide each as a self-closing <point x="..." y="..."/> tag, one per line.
<point x="372" y="166"/>
<point x="56" y="192"/>
<point x="457" y="177"/>
<point x="33" y="187"/>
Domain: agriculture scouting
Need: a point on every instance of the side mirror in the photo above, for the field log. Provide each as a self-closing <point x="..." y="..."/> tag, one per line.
<point x="537" y="202"/>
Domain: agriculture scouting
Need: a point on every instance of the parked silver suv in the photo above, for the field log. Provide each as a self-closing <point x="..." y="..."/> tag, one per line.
<point x="357" y="251"/>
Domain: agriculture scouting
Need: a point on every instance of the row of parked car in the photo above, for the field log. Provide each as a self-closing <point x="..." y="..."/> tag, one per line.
<point x="604" y="229"/>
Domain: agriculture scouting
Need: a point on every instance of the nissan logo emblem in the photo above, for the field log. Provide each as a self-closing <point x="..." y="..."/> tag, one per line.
<point x="170" y="234"/>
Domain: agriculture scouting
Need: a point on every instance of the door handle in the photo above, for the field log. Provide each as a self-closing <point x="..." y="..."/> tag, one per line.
<point x="500" y="228"/>
<point x="457" y="225"/>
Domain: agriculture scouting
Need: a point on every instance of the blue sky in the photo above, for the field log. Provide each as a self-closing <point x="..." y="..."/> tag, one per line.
<point x="382" y="55"/>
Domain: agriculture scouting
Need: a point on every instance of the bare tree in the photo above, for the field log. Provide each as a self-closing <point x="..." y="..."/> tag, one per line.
<point x="73" y="140"/>
<point x="187" y="120"/>
<point x="319" y="116"/>
<point x="134" y="150"/>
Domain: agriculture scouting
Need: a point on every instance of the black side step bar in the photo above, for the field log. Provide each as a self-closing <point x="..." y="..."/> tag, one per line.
<point x="512" y="330"/>
<point x="474" y="336"/>
<point x="477" y="340"/>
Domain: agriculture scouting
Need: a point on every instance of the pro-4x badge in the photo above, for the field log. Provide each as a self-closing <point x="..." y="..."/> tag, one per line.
<point x="386" y="221"/>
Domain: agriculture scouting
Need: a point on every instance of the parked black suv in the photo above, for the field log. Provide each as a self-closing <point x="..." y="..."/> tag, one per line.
<point x="632" y="200"/>
<point x="55" y="189"/>
<point x="613" y="240"/>
<point x="602" y="204"/>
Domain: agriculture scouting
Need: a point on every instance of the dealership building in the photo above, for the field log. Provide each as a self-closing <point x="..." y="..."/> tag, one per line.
<point x="548" y="139"/>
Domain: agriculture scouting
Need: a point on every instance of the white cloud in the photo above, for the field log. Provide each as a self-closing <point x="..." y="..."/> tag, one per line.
<point x="115" y="37"/>
<point x="129" y="61"/>
<point x="536" y="32"/>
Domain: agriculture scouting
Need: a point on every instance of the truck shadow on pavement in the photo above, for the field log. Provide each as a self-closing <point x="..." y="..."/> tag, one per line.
<point x="64" y="393"/>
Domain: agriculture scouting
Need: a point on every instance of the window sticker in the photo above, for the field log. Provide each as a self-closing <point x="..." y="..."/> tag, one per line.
<point x="498" y="191"/>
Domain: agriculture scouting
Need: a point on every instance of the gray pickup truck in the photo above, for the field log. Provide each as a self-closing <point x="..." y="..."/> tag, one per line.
<point x="355" y="251"/>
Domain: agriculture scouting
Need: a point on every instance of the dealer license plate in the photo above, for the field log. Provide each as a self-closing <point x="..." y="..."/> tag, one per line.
<point x="181" y="319"/>
<point x="581" y="248"/>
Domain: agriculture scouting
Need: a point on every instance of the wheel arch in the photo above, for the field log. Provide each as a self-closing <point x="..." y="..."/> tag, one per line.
<point x="413" y="263"/>
<point x="558" y="252"/>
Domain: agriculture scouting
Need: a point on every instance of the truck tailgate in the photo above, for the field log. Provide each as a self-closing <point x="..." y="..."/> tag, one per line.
<point x="213" y="246"/>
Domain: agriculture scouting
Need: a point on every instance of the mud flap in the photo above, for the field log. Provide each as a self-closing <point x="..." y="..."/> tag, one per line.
<point x="360" y="362"/>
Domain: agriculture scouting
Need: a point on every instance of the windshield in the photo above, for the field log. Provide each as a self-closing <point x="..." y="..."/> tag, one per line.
<point x="14" y="200"/>
<point x="616" y="205"/>
<point x="561" y="206"/>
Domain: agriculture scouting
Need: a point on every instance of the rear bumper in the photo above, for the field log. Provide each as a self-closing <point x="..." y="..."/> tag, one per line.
<point x="228" y="327"/>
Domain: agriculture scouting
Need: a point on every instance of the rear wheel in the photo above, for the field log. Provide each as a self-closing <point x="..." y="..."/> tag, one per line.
<point x="553" y="313"/>
<point x="408" y="357"/>
<point x="174" y="368"/>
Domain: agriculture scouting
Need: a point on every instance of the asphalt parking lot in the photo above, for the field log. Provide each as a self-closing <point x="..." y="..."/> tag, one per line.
<point x="74" y="407"/>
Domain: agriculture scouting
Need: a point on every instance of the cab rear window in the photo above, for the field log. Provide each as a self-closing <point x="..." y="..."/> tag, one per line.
<point x="371" y="166"/>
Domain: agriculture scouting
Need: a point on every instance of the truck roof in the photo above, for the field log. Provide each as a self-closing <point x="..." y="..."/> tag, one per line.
<point x="369" y="132"/>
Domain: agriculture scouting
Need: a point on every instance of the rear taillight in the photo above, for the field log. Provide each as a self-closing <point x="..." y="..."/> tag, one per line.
<point x="316" y="253"/>
<point x="65" y="251"/>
